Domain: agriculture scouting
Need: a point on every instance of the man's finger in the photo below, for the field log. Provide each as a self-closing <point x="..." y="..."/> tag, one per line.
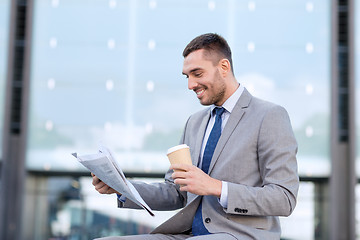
<point x="180" y="181"/>
<point x="180" y="166"/>
<point x="103" y="190"/>
<point x="176" y="175"/>
<point x="99" y="185"/>
<point x="96" y="180"/>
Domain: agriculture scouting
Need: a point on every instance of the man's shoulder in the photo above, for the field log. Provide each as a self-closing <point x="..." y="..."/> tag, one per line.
<point x="258" y="102"/>
<point x="247" y="100"/>
<point x="200" y="114"/>
<point x="267" y="109"/>
<point x="196" y="120"/>
<point x="261" y="107"/>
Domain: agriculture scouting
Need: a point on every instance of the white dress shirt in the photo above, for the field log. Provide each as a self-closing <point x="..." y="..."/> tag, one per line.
<point x="228" y="105"/>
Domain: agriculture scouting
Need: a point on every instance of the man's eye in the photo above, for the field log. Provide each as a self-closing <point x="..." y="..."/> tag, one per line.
<point x="198" y="74"/>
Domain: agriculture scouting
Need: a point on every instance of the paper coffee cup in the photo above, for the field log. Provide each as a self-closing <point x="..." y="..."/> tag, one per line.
<point x="179" y="154"/>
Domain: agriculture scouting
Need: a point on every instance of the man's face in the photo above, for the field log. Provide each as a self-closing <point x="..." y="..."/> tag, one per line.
<point x="204" y="78"/>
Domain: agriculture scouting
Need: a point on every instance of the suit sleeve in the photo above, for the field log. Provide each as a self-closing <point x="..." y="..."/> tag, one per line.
<point x="162" y="196"/>
<point x="276" y="151"/>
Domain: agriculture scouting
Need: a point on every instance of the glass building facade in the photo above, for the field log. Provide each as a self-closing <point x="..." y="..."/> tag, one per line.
<point x="109" y="73"/>
<point x="116" y="80"/>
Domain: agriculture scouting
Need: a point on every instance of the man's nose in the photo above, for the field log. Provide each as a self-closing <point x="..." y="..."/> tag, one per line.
<point x="191" y="83"/>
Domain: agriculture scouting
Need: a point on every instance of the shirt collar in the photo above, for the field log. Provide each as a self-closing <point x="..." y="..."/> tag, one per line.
<point x="230" y="103"/>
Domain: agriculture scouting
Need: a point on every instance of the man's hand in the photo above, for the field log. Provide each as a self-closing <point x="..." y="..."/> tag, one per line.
<point x="101" y="187"/>
<point x="194" y="180"/>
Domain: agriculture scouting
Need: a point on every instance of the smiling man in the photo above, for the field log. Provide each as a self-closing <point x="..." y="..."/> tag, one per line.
<point x="244" y="172"/>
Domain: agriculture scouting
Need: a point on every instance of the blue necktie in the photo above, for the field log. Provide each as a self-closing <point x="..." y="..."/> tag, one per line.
<point x="198" y="227"/>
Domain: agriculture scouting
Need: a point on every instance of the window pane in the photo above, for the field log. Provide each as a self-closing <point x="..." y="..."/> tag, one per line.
<point x="110" y="72"/>
<point x="116" y="79"/>
<point x="70" y="207"/>
<point x="66" y="207"/>
<point x="282" y="54"/>
<point x="4" y="28"/>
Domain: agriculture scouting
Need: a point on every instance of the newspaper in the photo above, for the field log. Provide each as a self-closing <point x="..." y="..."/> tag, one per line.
<point x="104" y="165"/>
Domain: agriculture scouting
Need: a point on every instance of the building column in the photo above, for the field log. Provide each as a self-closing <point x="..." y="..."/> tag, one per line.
<point x="15" y="120"/>
<point x="343" y="178"/>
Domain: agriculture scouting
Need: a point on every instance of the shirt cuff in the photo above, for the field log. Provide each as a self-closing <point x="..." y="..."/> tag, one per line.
<point x="224" y="195"/>
<point x="121" y="198"/>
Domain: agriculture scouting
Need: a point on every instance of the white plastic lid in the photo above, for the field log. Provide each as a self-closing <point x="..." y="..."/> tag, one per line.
<point x="178" y="147"/>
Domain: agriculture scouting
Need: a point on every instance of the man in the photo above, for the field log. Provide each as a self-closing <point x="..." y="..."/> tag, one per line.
<point x="244" y="172"/>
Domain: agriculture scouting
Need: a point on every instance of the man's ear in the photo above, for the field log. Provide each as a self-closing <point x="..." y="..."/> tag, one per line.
<point x="225" y="67"/>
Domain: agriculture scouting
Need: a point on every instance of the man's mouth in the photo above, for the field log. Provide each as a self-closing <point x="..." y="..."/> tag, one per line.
<point x="200" y="92"/>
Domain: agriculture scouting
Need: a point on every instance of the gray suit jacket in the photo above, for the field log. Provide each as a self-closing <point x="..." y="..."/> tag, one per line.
<point x="256" y="155"/>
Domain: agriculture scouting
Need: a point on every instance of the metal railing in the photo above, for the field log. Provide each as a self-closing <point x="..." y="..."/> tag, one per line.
<point x="321" y="196"/>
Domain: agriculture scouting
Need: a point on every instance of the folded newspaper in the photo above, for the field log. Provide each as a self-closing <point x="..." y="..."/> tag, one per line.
<point x="104" y="165"/>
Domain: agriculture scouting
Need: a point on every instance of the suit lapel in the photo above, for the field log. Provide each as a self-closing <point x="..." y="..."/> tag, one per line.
<point x="234" y="119"/>
<point x="200" y="137"/>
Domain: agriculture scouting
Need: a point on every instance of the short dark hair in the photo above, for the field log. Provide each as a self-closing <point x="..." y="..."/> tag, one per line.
<point x="212" y="43"/>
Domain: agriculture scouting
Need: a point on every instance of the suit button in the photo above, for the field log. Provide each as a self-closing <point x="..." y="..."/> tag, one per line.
<point x="207" y="220"/>
<point x="237" y="210"/>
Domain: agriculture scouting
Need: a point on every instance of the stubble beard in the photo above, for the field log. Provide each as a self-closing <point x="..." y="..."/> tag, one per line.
<point x="218" y="97"/>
